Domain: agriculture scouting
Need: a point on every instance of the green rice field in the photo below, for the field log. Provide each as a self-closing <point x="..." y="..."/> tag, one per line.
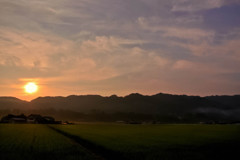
<point x="32" y="141"/>
<point x="119" y="141"/>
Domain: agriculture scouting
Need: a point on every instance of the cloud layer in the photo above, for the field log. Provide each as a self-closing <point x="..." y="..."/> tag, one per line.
<point x="118" y="47"/>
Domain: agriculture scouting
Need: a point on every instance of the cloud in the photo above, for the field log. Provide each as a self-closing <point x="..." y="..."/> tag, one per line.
<point x="195" y="5"/>
<point x="192" y="34"/>
<point x="30" y="47"/>
<point x="32" y="55"/>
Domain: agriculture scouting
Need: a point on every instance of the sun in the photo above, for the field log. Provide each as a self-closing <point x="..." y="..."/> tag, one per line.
<point x="31" y="87"/>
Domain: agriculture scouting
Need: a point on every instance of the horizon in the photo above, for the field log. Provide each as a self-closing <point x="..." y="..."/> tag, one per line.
<point x="117" y="95"/>
<point x="110" y="47"/>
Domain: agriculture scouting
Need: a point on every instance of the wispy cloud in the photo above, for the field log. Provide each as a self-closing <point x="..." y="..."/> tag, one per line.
<point x="196" y="5"/>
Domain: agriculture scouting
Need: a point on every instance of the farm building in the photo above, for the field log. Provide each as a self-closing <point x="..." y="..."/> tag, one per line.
<point x="33" y="118"/>
<point x="14" y="119"/>
<point x="38" y="119"/>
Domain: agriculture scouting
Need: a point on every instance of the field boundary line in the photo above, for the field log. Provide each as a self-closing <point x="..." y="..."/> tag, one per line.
<point x="99" y="151"/>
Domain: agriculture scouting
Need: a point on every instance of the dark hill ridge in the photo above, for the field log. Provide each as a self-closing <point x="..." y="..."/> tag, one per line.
<point x="12" y="103"/>
<point x="159" y="104"/>
<point x="228" y="102"/>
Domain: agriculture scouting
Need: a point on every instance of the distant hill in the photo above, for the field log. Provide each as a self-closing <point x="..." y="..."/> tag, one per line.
<point x="227" y="102"/>
<point x="220" y="108"/>
<point x="12" y="103"/>
<point x="159" y="103"/>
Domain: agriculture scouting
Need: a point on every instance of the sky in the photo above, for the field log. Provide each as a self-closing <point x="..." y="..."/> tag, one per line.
<point x="105" y="47"/>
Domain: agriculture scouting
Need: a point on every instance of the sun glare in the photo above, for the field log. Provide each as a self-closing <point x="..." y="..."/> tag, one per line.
<point x="30" y="87"/>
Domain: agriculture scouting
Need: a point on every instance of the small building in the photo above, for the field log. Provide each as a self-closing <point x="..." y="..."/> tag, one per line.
<point x="38" y="119"/>
<point x="49" y="119"/>
<point x="35" y="118"/>
<point x="32" y="118"/>
<point x="14" y="119"/>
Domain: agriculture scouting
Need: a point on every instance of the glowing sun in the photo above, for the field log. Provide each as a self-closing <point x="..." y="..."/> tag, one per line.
<point x="31" y="87"/>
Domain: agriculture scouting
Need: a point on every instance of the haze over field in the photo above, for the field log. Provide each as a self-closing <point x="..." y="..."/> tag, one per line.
<point x="109" y="47"/>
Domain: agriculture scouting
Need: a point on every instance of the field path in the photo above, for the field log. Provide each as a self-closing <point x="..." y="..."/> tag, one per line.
<point x="93" y="150"/>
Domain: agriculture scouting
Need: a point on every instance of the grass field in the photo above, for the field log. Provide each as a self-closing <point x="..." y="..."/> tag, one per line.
<point x="31" y="141"/>
<point x="119" y="141"/>
<point x="162" y="141"/>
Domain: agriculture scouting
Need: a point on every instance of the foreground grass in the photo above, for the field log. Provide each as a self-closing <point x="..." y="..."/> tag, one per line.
<point x="151" y="142"/>
<point x="119" y="141"/>
<point x="33" y="142"/>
